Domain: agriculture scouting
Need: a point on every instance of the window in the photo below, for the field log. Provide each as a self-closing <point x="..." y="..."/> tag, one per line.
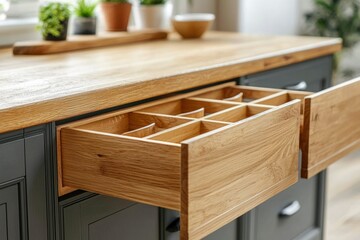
<point x="20" y="23"/>
<point x="23" y="8"/>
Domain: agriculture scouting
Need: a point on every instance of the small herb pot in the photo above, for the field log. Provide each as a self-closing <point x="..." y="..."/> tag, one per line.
<point x="85" y="26"/>
<point x="63" y="33"/>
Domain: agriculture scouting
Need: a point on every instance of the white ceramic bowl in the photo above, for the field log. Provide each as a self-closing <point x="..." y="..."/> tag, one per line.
<point x="191" y="17"/>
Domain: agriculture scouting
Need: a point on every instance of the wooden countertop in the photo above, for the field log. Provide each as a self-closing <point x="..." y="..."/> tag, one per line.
<point x="41" y="89"/>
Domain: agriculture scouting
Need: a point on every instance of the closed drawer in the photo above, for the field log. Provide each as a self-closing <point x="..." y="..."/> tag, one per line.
<point x="183" y="153"/>
<point x="12" y="160"/>
<point x="313" y="76"/>
<point x="172" y="228"/>
<point x="289" y="214"/>
<point x="330" y="128"/>
<point x="105" y="218"/>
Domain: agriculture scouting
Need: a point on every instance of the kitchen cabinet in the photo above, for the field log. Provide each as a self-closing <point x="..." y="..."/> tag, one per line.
<point x="67" y="214"/>
<point x="26" y="184"/>
<point x="227" y="168"/>
<point x="306" y="199"/>
<point x="210" y="131"/>
<point x="12" y="187"/>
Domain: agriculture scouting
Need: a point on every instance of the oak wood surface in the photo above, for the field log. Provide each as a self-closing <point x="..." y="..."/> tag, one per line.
<point x="136" y="169"/>
<point x="232" y="170"/>
<point x="75" y="43"/>
<point x="331" y="127"/>
<point x="41" y="89"/>
<point x="109" y="123"/>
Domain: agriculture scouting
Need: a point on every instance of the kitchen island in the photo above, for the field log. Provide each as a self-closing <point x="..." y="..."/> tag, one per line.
<point x="43" y="94"/>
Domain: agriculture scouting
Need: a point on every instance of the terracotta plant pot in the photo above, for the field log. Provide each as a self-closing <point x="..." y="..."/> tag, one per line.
<point x="116" y="15"/>
<point x="63" y="34"/>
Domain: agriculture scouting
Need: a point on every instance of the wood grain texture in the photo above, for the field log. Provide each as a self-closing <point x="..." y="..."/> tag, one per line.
<point x="138" y="170"/>
<point x="230" y="171"/>
<point x="75" y="43"/>
<point x="41" y="89"/>
<point x="109" y="123"/>
<point x="331" y="126"/>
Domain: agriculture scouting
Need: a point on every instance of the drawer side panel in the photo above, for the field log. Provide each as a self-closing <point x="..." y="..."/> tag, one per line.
<point x="136" y="170"/>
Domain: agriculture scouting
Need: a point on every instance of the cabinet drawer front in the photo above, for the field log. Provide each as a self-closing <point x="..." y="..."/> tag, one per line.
<point x="331" y="126"/>
<point x="231" y="171"/>
<point x="289" y="214"/>
<point x="212" y="167"/>
<point x="314" y="76"/>
<point x="12" y="160"/>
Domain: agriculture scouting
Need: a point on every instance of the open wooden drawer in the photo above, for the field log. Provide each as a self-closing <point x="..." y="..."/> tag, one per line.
<point x="330" y="127"/>
<point x="210" y="159"/>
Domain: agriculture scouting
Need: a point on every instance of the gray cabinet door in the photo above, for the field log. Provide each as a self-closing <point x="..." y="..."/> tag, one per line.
<point x="10" y="213"/>
<point x="228" y="232"/>
<point x="105" y="218"/>
<point x="312" y="76"/>
<point x="291" y="214"/>
<point x="12" y="160"/>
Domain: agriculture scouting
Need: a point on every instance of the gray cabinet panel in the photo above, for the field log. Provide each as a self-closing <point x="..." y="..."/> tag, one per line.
<point x="316" y="75"/>
<point x="271" y="225"/>
<point x="35" y="187"/>
<point x="12" y="160"/>
<point x="136" y="222"/>
<point x="10" y="218"/>
<point x="105" y="218"/>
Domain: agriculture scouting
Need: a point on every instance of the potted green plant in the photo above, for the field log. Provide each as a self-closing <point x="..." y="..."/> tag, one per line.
<point x="116" y="14"/>
<point x="153" y="14"/>
<point x="53" y="21"/>
<point x="336" y="18"/>
<point x="85" y="20"/>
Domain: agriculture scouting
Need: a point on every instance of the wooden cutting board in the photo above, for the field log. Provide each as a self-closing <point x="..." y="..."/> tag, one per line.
<point x="74" y="43"/>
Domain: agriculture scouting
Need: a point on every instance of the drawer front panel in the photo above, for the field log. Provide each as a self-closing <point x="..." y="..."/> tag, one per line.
<point x="105" y="218"/>
<point x="228" y="173"/>
<point x="12" y="160"/>
<point x="331" y="126"/>
<point x="288" y="214"/>
<point x="310" y="76"/>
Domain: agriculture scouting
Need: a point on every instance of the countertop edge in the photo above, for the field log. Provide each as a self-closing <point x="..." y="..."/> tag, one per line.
<point x="61" y="108"/>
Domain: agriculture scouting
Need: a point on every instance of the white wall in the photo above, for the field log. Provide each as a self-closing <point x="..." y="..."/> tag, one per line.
<point x="269" y="17"/>
<point x="199" y="6"/>
<point x="273" y="17"/>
